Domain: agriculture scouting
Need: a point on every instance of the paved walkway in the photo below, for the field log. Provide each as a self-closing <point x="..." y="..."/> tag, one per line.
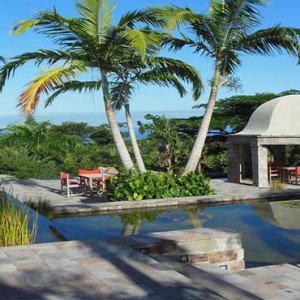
<point x="35" y="189"/>
<point x="112" y="269"/>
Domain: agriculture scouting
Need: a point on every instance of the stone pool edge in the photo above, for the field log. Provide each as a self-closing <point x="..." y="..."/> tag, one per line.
<point x="108" y="207"/>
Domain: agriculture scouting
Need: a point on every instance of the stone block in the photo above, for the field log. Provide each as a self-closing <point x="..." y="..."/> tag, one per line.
<point x="222" y="256"/>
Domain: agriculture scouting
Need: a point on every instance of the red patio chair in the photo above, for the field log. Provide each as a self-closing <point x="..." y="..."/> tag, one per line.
<point x="68" y="185"/>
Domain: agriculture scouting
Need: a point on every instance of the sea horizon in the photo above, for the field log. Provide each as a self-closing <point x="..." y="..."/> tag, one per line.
<point x="94" y="118"/>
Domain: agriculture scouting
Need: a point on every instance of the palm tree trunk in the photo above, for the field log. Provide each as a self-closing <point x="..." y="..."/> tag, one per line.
<point x="131" y="229"/>
<point x="118" y="139"/>
<point x="135" y="146"/>
<point x="203" y="130"/>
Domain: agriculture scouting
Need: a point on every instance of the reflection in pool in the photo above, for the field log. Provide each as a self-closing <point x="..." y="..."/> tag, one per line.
<point x="267" y="233"/>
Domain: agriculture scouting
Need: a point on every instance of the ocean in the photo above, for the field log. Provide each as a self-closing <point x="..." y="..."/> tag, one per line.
<point x="94" y="119"/>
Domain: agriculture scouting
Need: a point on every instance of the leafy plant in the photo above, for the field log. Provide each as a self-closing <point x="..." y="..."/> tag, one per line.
<point x="133" y="185"/>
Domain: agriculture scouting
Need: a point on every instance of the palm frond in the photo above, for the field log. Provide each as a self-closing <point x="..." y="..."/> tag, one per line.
<point x="173" y="16"/>
<point x="272" y="40"/>
<point x="181" y="70"/>
<point x="48" y="81"/>
<point x="63" y="31"/>
<point x="145" y="16"/>
<point x="97" y="16"/>
<point x="48" y="56"/>
<point x="142" y="39"/>
<point x="73" y="86"/>
<point x="120" y="94"/>
<point x="162" y="78"/>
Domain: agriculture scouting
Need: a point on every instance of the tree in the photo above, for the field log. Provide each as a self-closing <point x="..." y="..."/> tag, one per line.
<point x="225" y="32"/>
<point x="152" y="70"/>
<point x="89" y="43"/>
<point x="167" y="144"/>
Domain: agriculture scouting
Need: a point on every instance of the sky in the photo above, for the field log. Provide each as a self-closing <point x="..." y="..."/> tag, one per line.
<point x="257" y="74"/>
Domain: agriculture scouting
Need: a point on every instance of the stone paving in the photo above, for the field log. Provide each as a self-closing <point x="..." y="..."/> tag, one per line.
<point x="35" y="189"/>
<point x="113" y="269"/>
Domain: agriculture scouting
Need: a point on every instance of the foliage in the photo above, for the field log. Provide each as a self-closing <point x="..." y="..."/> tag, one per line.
<point x="26" y="153"/>
<point x="134" y="185"/>
<point x="227" y="31"/>
<point x="43" y="207"/>
<point x="170" y="147"/>
<point x="14" y="223"/>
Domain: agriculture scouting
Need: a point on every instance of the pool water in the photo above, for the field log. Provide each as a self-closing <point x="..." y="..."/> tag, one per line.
<point x="270" y="231"/>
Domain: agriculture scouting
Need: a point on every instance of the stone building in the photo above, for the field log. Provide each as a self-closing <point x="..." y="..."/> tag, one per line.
<point x="271" y="127"/>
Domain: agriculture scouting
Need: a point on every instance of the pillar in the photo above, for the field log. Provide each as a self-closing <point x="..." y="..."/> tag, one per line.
<point x="233" y="163"/>
<point x="260" y="166"/>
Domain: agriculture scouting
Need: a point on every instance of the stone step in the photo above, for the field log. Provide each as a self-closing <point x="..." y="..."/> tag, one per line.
<point x="201" y="245"/>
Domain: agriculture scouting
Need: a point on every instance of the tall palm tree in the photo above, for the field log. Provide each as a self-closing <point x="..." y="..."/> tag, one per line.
<point x="87" y="43"/>
<point x="152" y="70"/>
<point x="225" y="32"/>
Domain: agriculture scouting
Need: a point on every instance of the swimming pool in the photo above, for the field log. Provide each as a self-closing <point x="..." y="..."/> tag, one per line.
<point x="270" y="230"/>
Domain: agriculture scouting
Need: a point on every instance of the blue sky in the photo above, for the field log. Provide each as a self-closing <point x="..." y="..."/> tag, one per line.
<point x="257" y="74"/>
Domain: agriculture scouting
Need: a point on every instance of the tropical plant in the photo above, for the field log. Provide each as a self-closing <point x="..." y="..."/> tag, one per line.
<point x="152" y="70"/>
<point x="29" y="151"/>
<point x="225" y="32"/>
<point x="169" y="146"/>
<point x="31" y="135"/>
<point x="87" y="43"/>
<point x="132" y="185"/>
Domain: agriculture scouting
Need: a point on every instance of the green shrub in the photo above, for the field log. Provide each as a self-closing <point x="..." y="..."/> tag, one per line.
<point x="134" y="185"/>
<point x="14" y="223"/>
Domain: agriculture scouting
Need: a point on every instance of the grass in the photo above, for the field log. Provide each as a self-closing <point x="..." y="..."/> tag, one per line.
<point x="42" y="206"/>
<point x="277" y="185"/>
<point x="14" y="222"/>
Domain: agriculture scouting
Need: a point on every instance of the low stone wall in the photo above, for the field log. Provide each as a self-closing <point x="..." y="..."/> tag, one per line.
<point x="201" y="245"/>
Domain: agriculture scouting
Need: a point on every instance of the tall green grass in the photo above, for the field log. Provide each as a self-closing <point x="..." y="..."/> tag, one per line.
<point x="15" y="228"/>
<point x="42" y="206"/>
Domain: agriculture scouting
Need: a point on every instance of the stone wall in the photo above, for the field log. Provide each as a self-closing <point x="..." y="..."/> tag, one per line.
<point x="201" y="245"/>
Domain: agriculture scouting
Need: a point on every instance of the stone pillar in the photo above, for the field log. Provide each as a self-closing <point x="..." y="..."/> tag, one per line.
<point x="260" y="166"/>
<point x="233" y="163"/>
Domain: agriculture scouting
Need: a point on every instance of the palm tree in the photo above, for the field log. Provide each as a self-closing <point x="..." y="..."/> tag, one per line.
<point x="152" y="70"/>
<point x="225" y="32"/>
<point x="87" y="43"/>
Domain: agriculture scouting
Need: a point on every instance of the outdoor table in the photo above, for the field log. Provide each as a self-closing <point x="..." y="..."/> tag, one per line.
<point x="287" y="173"/>
<point x="90" y="178"/>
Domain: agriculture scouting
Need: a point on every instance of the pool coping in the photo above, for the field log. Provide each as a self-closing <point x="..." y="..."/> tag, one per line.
<point x="226" y="193"/>
<point x="121" y="206"/>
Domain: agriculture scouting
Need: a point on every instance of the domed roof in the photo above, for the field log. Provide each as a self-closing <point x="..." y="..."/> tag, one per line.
<point x="278" y="117"/>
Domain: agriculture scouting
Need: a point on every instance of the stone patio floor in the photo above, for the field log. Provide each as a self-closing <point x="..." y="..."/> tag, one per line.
<point x="112" y="269"/>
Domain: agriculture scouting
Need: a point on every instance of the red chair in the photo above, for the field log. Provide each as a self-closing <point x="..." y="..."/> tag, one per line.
<point x="67" y="185"/>
<point x="273" y="173"/>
